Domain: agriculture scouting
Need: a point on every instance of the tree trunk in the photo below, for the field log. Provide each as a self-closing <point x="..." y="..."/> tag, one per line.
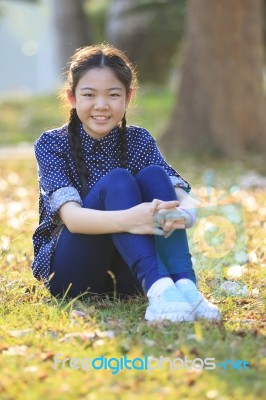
<point x="148" y="33"/>
<point x="220" y="104"/>
<point x="71" y="27"/>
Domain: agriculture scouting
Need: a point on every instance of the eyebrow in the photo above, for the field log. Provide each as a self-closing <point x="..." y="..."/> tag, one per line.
<point x="94" y="90"/>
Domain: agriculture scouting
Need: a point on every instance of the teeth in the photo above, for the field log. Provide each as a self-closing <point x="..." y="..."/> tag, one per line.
<point x="100" y="118"/>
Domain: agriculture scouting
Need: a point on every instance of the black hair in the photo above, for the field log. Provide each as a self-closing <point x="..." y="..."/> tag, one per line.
<point x="84" y="59"/>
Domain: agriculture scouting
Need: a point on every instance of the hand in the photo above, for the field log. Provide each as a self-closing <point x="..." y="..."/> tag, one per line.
<point x="170" y="219"/>
<point x="180" y="218"/>
<point x="148" y="218"/>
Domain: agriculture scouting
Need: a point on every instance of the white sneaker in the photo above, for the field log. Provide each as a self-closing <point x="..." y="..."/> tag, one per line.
<point x="169" y="305"/>
<point x="202" y="308"/>
<point x="207" y="310"/>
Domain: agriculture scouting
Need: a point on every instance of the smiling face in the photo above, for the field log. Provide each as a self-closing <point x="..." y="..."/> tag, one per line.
<point x="100" y="100"/>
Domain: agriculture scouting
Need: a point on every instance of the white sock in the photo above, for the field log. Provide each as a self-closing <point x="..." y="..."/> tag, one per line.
<point x="186" y="283"/>
<point x="159" y="286"/>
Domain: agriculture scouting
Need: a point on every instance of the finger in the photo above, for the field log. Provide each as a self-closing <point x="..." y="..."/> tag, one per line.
<point x="155" y="204"/>
<point x="158" y="218"/>
<point x="167" y="204"/>
<point x="168" y="217"/>
<point x="173" y="222"/>
<point x="172" y="225"/>
<point x="176" y="214"/>
<point x="158" y="232"/>
<point x="179" y="226"/>
<point x="168" y="226"/>
<point x="168" y="234"/>
<point x="163" y="216"/>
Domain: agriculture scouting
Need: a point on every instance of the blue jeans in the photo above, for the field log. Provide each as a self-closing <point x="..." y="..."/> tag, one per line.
<point x="136" y="261"/>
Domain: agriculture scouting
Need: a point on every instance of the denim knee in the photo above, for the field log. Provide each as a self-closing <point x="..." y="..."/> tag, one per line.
<point x="119" y="172"/>
<point x="154" y="182"/>
<point x="120" y="178"/>
<point x="153" y="174"/>
<point x="117" y="190"/>
<point x="152" y="170"/>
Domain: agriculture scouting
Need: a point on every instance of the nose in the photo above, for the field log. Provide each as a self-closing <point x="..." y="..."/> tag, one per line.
<point x="100" y="104"/>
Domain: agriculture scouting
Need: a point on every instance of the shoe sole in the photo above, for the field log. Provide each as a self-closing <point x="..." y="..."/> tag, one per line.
<point x="173" y="317"/>
<point x="216" y="316"/>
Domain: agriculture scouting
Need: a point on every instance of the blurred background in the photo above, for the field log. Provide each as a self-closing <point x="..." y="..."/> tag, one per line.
<point x="201" y="70"/>
<point x="200" y="63"/>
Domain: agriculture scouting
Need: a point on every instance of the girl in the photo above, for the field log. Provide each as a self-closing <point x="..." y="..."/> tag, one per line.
<point x="109" y="203"/>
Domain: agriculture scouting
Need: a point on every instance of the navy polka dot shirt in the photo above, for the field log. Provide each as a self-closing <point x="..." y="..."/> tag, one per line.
<point x="59" y="181"/>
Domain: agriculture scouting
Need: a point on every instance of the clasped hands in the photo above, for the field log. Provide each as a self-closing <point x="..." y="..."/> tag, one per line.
<point x="169" y="216"/>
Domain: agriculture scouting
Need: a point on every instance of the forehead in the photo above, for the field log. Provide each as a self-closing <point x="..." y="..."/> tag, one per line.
<point x="99" y="78"/>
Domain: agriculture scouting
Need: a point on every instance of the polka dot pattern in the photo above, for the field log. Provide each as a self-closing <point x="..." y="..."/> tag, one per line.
<point x="63" y="195"/>
<point x="59" y="181"/>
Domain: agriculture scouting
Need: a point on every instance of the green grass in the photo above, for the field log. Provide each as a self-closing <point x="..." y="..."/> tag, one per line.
<point x="23" y="120"/>
<point x="34" y="324"/>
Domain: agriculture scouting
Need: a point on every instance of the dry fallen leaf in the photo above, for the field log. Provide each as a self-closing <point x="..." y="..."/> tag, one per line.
<point x="16" y="350"/>
<point x="20" y="333"/>
<point x="47" y="355"/>
<point x="87" y="335"/>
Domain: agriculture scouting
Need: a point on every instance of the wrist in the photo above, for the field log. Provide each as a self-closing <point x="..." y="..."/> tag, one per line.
<point x="122" y="219"/>
<point x="191" y="213"/>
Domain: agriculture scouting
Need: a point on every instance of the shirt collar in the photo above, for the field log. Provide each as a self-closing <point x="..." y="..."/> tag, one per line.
<point x="107" y="143"/>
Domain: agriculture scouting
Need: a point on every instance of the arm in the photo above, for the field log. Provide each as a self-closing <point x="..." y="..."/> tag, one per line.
<point x="138" y="220"/>
<point x="185" y="199"/>
<point x="188" y="205"/>
<point x="88" y="221"/>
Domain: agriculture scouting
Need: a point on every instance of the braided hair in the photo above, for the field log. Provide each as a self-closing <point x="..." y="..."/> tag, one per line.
<point x="76" y="150"/>
<point x="123" y="142"/>
<point x="83" y="60"/>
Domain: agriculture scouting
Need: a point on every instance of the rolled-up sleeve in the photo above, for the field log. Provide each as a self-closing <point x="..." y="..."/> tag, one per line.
<point x="62" y="196"/>
<point x="54" y="173"/>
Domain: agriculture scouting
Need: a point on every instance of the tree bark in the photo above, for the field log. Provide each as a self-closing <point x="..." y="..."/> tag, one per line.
<point x="220" y="106"/>
<point x="71" y="28"/>
<point x="149" y="35"/>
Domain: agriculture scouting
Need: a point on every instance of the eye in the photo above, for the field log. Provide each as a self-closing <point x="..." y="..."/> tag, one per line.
<point x="115" y="95"/>
<point x="88" y="95"/>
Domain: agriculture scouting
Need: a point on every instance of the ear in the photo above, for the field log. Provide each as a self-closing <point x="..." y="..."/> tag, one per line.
<point x="129" y="96"/>
<point x="71" y="98"/>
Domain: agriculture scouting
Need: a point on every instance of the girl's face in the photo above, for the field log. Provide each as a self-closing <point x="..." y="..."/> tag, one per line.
<point x="100" y="100"/>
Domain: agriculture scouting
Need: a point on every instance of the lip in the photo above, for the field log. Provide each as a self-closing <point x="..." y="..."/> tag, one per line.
<point x="100" y="117"/>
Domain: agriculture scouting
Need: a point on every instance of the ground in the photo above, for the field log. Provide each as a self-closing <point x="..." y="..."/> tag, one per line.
<point x="36" y="329"/>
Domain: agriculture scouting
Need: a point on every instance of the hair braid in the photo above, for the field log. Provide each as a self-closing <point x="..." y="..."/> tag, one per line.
<point x="123" y="142"/>
<point x="76" y="150"/>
